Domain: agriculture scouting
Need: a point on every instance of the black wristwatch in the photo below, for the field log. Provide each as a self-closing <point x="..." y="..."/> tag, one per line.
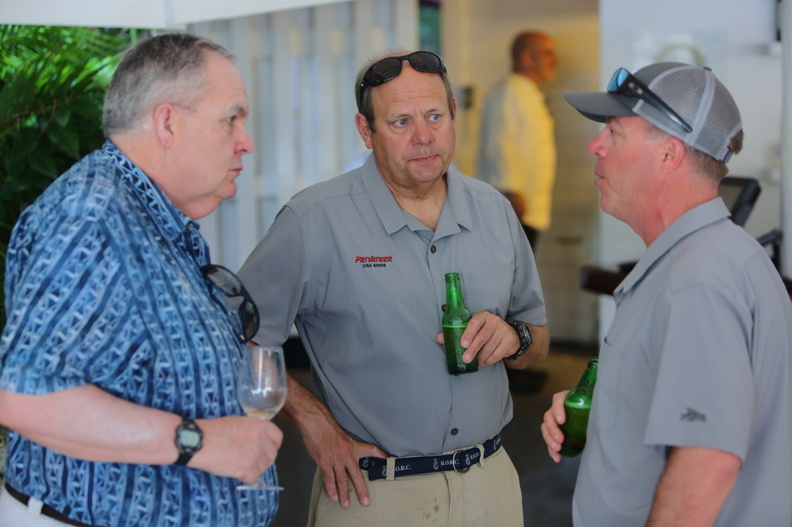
<point x="525" y="338"/>
<point x="188" y="440"/>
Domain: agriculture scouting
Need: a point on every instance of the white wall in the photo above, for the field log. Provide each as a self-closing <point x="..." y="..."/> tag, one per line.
<point x="735" y="36"/>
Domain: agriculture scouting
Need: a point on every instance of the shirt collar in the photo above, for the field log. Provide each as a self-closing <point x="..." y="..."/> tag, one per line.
<point x="456" y="210"/>
<point x="693" y="220"/>
<point x="156" y="204"/>
<point x="456" y="213"/>
<point x="385" y="205"/>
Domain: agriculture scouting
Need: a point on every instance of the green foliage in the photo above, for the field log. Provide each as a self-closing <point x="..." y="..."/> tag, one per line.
<point x="52" y="86"/>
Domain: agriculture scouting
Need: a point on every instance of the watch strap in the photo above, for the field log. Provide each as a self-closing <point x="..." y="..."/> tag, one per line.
<point x="525" y="338"/>
<point x="184" y="458"/>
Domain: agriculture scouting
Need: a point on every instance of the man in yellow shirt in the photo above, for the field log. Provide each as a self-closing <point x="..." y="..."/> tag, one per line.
<point x="517" y="152"/>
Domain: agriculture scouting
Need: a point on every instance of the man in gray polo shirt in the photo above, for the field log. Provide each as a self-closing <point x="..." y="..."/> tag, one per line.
<point x="358" y="264"/>
<point x="691" y="421"/>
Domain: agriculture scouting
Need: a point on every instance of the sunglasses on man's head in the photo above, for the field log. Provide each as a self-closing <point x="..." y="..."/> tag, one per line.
<point x="625" y="83"/>
<point x="231" y="286"/>
<point x="387" y="69"/>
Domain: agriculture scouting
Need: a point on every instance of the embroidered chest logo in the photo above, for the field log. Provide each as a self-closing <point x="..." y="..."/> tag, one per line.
<point x="693" y="415"/>
<point x="373" y="261"/>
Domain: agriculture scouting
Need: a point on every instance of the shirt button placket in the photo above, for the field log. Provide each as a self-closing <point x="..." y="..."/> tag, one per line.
<point x="432" y="263"/>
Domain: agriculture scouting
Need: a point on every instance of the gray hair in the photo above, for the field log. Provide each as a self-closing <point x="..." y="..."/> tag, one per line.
<point x="166" y="68"/>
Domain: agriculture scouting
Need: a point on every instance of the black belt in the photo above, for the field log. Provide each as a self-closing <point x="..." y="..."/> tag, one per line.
<point x="459" y="461"/>
<point x="46" y="510"/>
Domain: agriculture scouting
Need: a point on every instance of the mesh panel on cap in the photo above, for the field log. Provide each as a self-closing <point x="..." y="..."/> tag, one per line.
<point x="723" y="122"/>
<point x="688" y="92"/>
<point x="699" y="98"/>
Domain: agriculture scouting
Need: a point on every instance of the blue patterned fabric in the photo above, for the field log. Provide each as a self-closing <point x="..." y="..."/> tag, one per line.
<point x="103" y="287"/>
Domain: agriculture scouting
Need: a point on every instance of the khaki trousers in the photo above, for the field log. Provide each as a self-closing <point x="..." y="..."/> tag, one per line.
<point x="487" y="495"/>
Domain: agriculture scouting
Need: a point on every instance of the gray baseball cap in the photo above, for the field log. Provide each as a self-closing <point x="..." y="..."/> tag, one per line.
<point x="687" y="102"/>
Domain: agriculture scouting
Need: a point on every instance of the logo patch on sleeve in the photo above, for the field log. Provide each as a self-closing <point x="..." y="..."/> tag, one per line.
<point x="692" y="415"/>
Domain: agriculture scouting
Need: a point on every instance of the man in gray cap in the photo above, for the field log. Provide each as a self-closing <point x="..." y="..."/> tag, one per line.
<point x="691" y="422"/>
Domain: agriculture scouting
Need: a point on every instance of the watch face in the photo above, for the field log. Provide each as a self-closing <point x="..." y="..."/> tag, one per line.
<point x="189" y="438"/>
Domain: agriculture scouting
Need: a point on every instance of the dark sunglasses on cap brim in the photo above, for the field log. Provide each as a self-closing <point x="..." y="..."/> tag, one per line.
<point x="625" y="83"/>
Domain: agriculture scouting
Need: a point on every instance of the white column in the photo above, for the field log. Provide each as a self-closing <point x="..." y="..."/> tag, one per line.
<point x="785" y="15"/>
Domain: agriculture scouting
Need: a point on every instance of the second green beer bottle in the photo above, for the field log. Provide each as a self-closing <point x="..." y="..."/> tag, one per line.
<point x="577" y="406"/>
<point x="455" y="320"/>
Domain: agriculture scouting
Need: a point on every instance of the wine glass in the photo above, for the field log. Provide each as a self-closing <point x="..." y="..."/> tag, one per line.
<point x="261" y="388"/>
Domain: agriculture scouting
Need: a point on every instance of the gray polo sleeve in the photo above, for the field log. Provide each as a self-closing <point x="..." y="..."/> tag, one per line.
<point x="704" y="392"/>
<point x="276" y="274"/>
<point x="527" y="302"/>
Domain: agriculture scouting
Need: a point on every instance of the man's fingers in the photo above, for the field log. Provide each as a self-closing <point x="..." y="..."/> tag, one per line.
<point x="328" y="476"/>
<point x="361" y="489"/>
<point x="342" y="483"/>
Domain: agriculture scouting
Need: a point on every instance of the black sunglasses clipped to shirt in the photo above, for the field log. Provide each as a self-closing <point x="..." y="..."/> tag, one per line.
<point x="231" y="286"/>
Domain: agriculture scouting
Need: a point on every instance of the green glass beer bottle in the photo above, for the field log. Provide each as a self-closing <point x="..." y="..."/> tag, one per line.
<point x="455" y="320"/>
<point x="577" y="406"/>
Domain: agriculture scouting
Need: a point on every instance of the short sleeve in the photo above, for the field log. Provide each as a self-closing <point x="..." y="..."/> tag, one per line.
<point x="65" y="304"/>
<point x="703" y="396"/>
<point x="275" y="273"/>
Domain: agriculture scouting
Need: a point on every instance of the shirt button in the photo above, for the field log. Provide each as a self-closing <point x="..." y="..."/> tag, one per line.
<point x="454" y="431"/>
<point x="433" y="249"/>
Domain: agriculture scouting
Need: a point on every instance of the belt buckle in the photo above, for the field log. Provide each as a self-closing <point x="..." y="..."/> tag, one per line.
<point x="453" y="462"/>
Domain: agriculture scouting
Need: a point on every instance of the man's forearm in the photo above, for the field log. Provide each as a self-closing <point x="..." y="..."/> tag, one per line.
<point x="302" y="407"/>
<point x="693" y="487"/>
<point x="89" y="423"/>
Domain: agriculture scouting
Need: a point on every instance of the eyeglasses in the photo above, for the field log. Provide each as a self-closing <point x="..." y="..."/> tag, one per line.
<point x="625" y="83"/>
<point x="231" y="286"/>
<point x="389" y="68"/>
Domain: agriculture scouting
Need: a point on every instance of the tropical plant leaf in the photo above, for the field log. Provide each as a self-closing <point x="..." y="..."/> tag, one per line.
<point x="63" y="137"/>
<point x="52" y="85"/>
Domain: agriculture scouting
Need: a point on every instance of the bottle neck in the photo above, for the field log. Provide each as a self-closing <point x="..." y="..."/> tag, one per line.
<point x="587" y="382"/>
<point x="589" y="377"/>
<point x="454" y="294"/>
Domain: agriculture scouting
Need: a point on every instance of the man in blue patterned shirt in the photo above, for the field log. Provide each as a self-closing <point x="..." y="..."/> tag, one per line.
<point x="116" y="342"/>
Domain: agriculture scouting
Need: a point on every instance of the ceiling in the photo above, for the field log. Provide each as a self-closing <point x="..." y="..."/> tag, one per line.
<point x="165" y="14"/>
